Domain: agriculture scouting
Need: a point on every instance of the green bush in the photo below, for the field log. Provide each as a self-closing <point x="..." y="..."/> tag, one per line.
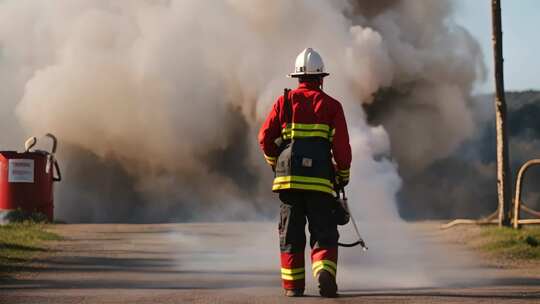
<point x="531" y="241"/>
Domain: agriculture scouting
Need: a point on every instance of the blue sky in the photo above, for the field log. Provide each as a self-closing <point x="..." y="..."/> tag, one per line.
<point x="521" y="30"/>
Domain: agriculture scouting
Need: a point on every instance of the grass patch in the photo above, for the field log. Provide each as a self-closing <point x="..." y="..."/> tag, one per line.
<point x="522" y="244"/>
<point x="19" y="242"/>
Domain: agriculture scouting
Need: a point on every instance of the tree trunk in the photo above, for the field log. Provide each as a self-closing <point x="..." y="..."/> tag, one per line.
<point x="503" y="171"/>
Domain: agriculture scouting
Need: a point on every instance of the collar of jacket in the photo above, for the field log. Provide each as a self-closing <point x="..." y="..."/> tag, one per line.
<point x="310" y="85"/>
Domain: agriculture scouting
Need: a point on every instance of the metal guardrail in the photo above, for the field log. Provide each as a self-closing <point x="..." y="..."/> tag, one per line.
<point x="518" y="204"/>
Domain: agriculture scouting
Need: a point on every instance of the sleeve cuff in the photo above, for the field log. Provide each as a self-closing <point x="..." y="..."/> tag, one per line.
<point x="344" y="174"/>
<point x="270" y="160"/>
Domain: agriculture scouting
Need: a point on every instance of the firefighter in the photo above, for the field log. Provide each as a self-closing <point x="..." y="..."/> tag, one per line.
<point x="305" y="141"/>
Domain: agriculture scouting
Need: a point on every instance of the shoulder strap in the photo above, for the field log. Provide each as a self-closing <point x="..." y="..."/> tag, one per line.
<point x="287" y="106"/>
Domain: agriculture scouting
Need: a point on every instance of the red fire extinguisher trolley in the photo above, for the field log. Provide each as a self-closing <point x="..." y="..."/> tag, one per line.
<point x="26" y="180"/>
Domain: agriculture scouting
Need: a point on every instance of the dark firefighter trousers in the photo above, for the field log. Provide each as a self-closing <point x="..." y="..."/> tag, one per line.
<point x="297" y="205"/>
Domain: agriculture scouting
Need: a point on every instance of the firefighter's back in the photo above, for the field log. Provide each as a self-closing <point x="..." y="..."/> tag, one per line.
<point x="306" y="161"/>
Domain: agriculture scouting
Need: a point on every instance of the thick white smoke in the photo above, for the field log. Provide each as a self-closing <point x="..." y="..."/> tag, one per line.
<point x="171" y="94"/>
<point x="157" y="104"/>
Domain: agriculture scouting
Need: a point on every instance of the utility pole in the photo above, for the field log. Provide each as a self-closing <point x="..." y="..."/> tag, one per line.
<point x="503" y="170"/>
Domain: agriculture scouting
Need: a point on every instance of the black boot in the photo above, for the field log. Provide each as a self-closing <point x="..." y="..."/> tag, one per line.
<point x="327" y="284"/>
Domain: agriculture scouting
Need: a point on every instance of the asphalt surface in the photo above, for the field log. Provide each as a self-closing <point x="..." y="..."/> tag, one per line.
<point x="238" y="263"/>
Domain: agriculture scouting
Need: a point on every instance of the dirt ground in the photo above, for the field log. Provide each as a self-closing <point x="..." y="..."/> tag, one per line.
<point x="238" y="263"/>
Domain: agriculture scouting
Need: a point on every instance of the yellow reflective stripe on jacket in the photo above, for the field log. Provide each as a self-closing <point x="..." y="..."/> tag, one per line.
<point x="308" y="127"/>
<point x="303" y="179"/>
<point x="303" y="183"/>
<point x="299" y="130"/>
<point x="304" y="134"/>
<point x="297" y="186"/>
<point x="327" y="265"/>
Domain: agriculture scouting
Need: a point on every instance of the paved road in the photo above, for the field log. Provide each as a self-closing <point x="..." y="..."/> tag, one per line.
<point x="238" y="263"/>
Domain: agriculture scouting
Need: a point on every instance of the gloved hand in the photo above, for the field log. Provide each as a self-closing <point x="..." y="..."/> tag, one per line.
<point x="341" y="182"/>
<point x="342" y="178"/>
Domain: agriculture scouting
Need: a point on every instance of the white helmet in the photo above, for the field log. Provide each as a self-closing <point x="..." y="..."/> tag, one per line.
<point x="308" y="63"/>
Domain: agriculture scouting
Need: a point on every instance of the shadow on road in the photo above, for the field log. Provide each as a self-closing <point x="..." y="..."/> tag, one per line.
<point x="127" y="273"/>
<point x="438" y="294"/>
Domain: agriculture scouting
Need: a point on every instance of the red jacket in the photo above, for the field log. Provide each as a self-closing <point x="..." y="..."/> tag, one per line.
<point x="310" y="106"/>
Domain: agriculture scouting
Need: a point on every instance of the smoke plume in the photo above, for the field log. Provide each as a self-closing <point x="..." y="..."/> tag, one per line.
<point x="157" y="103"/>
<point x="463" y="184"/>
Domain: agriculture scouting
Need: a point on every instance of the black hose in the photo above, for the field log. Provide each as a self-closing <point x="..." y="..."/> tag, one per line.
<point x="349" y="245"/>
